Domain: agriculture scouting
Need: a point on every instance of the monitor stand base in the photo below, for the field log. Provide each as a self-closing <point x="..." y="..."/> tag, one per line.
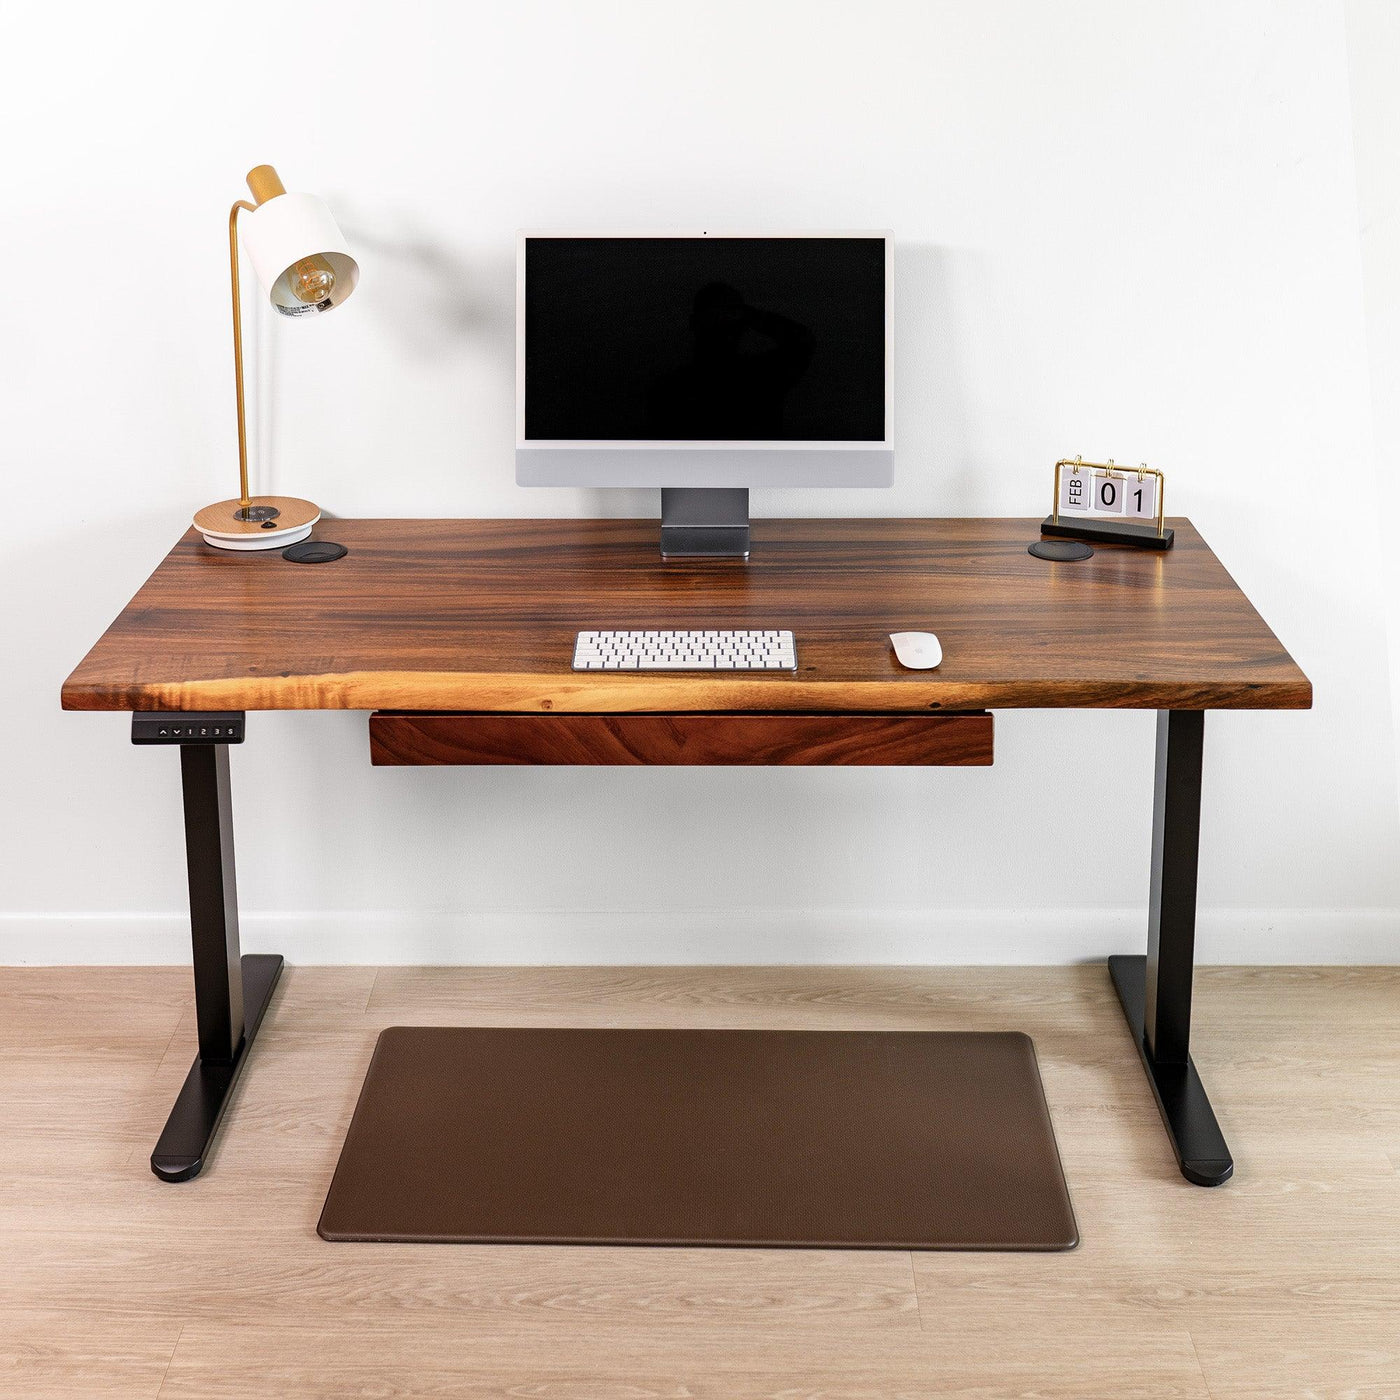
<point x="704" y="522"/>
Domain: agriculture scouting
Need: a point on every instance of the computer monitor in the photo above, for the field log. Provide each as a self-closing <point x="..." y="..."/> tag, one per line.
<point x="708" y="360"/>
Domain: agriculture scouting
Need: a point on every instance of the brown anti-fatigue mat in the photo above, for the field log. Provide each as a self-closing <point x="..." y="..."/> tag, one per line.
<point x="898" y="1139"/>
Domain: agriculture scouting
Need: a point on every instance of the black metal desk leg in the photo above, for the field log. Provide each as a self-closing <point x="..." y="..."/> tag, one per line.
<point x="231" y="992"/>
<point x="1156" y="990"/>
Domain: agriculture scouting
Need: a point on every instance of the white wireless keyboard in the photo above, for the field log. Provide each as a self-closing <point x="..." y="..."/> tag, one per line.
<point x="685" y="651"/>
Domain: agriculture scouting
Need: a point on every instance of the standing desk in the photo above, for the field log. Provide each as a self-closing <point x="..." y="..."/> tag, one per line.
<point x="458" y="636"/>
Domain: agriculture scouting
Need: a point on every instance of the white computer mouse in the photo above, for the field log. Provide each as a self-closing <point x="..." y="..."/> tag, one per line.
<point x="918" y="651"/>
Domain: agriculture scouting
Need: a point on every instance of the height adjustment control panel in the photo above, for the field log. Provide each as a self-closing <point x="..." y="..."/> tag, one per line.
<point x="190" y="727"/>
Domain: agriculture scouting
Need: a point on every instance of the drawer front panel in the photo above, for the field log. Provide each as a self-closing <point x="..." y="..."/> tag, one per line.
<point x="868" y="740"/>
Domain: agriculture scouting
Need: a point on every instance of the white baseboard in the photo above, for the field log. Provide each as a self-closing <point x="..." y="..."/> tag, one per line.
<point x="710" y="936"/>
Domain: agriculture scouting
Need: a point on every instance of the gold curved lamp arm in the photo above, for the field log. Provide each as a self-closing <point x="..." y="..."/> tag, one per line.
<point x="243" y="498"/>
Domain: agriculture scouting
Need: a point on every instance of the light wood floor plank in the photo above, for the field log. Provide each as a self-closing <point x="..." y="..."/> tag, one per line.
<point x="57" y="1356"/>
<point x="279" y="1272"/>
<point x="559" y="1360"/>
<point x="1300" y="1359"/>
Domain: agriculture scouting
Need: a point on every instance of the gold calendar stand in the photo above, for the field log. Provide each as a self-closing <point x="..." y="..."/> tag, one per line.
<point x="1107" y="528"/>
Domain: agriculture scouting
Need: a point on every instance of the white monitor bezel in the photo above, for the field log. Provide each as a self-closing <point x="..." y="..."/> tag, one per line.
<point x="708" y="462"/>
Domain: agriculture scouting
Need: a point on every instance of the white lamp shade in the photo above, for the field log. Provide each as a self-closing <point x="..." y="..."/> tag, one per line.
<point x="281" y="233"/>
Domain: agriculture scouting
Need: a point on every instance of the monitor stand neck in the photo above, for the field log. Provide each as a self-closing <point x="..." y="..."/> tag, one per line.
<point x="704" y="522"/>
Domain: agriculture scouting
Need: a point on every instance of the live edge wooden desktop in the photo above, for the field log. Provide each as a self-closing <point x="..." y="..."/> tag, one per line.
<point x="458" y="636"/>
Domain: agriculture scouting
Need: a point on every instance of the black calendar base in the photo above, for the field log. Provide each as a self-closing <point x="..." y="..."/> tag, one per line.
<point x="1107" y="532"/>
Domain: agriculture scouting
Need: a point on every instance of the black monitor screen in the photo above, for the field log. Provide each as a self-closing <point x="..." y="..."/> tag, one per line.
<point x="675" y="339"/>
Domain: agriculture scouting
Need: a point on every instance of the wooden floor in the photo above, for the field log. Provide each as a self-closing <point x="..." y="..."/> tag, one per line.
<point x="1285" y="1282"/>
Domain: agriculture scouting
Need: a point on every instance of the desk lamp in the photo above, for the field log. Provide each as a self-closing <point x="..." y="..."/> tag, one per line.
<point x="305" y="268"/>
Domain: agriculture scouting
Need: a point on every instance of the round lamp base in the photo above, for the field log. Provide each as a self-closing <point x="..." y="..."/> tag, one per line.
<point x="267" y="522"/>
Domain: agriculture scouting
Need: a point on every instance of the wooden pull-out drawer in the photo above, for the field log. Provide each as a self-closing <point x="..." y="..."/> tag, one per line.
<point x="870" y="740"/>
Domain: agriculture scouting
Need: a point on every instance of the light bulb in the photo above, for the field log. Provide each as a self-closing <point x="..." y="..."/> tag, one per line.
<point x="312" y="280"/>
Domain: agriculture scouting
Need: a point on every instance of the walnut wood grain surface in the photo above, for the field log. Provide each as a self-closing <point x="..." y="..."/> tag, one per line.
<point x="481" y="615"/>
<point x="413" y="740"/>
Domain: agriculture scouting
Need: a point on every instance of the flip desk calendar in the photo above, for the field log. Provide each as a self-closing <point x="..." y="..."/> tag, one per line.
<point x="1104" y="502"/>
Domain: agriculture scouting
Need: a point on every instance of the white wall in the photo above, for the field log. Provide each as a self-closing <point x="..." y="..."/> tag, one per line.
<point x="1123" y="229"/>
<point x="1373" y="47"/>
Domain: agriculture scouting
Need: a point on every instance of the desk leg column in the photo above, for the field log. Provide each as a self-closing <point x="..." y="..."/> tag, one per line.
<point x="231" y="991"/>
<point x="1156" y="990"/>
